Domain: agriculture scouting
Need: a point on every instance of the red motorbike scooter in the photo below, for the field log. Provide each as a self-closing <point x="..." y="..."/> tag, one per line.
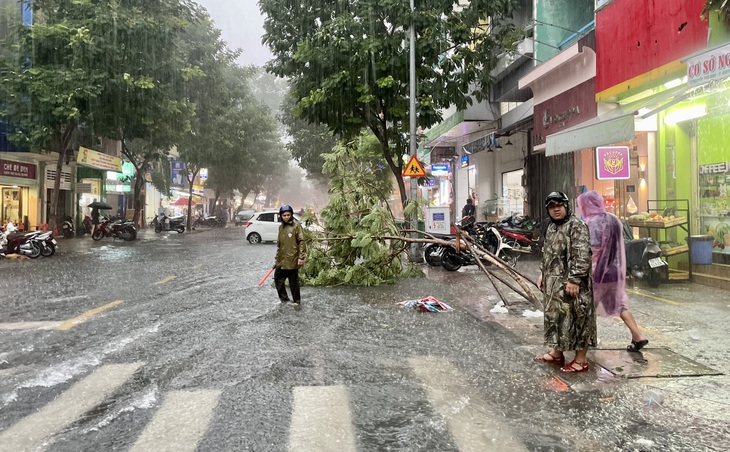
<point x="12" y="242"/>
<point x="519" y="241"/>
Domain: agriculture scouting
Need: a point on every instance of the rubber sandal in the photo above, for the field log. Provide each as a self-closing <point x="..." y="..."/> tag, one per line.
<point x="575" y="367"/>
<point x="560" y="361"/>
<point x="635" y="346"/>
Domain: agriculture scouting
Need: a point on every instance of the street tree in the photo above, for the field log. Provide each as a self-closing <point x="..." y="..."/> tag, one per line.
<point x="49" y="81"/>
<point x="307" y="141"/>
<point x="348" y="62"/>
<point x="142" y="55"/>
<point x="356" y="214"/>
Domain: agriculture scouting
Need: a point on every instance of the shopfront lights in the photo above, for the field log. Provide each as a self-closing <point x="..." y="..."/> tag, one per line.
<point x="674" y="83"/>
<point x="686" y="114"/>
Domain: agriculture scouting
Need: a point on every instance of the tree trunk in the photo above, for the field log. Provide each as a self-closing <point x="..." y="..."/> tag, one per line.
<point x="190" y="198"/>
<point x="63" y="142"/>
<point x="138" y="205"/>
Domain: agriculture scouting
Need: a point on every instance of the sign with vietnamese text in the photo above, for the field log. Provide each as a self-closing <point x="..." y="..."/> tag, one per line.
<point x="21" y="170"/>
<point x="709" y="66"/>
<point x="98" y="160"/>
<point x="612" y="162"/>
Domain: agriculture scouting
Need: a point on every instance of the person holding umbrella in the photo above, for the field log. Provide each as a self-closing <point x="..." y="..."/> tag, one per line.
<point x="95" y="207"/>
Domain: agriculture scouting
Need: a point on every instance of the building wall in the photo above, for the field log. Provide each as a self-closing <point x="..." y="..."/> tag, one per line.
<point x="558" y="20"/>
<point x="636" y="37"/>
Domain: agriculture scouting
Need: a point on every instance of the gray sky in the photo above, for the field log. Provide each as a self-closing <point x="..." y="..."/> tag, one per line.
<point x="242" y="25"/>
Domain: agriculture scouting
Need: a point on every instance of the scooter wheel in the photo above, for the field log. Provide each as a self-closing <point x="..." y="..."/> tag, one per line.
<point x="450" y="260"/>
<point x="654" y="277"/>
<point x="431" y="254"/>
<point x="158" y="228"/>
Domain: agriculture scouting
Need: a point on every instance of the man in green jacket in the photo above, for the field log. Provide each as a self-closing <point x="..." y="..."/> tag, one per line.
<point x="289" y="255"/>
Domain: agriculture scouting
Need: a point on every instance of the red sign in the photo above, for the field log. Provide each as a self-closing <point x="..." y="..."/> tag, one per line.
<point x="10" y="168"/>
<point x="565" y="110"/>
<point x="635" y="37"/>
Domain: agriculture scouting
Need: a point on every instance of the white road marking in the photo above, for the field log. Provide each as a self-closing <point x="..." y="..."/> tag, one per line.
<point x="37" y="429"/>
<point x="472" y="425"/>
<point x="29" y="326"/>
<point x="165" y="281"/>
<point x="180" y="423"/>
<point x="321" y="420"/>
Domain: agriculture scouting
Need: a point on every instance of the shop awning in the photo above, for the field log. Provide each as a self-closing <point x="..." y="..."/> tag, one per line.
<point x="615" y="126"/>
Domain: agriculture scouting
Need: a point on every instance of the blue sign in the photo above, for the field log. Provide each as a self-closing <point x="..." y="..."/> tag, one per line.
<point x="465" y="161"/>
<point x="177" y="172"/>
<point x="440" y="170"/>
<point x="439" y="216"/>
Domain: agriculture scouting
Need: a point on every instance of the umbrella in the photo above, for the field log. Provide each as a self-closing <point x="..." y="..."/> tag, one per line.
<point x="182" y="202"/>
<point x="100" y="205"/>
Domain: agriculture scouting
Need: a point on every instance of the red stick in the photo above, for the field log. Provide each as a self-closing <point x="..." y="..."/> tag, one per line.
<point x="261" y="283"/>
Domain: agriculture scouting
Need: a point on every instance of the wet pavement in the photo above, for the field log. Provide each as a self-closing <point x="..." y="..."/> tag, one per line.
<point x="168" y="342"/>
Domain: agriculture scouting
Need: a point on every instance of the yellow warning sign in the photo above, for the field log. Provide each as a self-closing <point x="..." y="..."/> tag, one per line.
<point x="414" y="168"/>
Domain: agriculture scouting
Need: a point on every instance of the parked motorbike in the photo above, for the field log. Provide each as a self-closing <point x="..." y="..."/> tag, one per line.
<point x="125" y="230"/>
<point x="519" y="241"/>
<point x="209" y="220"/>
<point x="488" y="237"/>
<point x="433" y="252"/>
<point x="46" y="242"/>
<point x="12" y="242"/>
<point x="644" y="259"/>
<point x="67" y="228"/>
<point x="518" y="221"/>
<point x="169" y="223"/>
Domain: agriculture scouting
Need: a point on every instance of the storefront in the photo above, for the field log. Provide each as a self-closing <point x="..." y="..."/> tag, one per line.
<point x="19" y="197"/>
<point x="92" y="173"/>
<point x="119" y="192"/>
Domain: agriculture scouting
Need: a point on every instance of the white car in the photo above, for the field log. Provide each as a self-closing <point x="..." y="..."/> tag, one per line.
<point x="264" y="226"/>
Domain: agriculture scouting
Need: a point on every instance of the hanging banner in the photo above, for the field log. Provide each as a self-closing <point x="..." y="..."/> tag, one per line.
<point x="709" y="66"/>
<point x="98" y="160"/>
<point x="612" y="162"/>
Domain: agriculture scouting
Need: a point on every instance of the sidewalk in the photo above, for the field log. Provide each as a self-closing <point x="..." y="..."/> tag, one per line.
<point x="684" y="323"/>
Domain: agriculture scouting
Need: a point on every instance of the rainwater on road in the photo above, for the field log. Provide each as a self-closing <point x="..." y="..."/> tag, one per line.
<point x="168" y="343"/>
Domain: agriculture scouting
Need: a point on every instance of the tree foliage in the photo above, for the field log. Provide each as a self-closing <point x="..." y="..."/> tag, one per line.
<point x="49" y="81"/>
<point x="348" y="62"/>
<point x="308" y="141"/>
<point x="357" y="212"/>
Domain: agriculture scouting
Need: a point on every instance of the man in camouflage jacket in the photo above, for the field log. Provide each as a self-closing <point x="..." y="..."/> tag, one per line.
<point x="566" y="280"/>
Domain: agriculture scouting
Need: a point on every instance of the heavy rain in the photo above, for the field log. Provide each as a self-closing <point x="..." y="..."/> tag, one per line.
<point x="355" y="225"/>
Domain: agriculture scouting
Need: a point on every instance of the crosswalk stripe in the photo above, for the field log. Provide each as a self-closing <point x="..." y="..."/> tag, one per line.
<point x="165" y="280"/>
<point x="472" y="426"/>
<point x="321" y="420"/>
<point x="180" y="423"/>
<point x="32" y="431"/>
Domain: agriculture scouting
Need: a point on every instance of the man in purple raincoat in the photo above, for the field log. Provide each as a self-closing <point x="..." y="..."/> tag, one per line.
<point x="609" y="264"/>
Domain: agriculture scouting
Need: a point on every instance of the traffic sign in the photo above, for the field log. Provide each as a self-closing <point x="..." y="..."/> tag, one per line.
<point x="414" y="168"/>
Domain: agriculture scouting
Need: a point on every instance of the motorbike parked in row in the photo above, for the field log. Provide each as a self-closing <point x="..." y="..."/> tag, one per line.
<point x="31" y="244"/>
<point x="118" y="229"/>
<point x="67" y="227"/>
<point x="211" y="221"/>
<point x="487" y="236"/>
<point x="644" y="260"/>
<point x="166" y="223"/>
<point x="519" y="240"/>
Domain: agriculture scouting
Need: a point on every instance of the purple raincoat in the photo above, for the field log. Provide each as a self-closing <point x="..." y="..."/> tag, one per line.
<point x="609" y="255"/>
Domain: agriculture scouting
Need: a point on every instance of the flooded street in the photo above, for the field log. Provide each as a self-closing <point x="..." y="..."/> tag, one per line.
<point x="168" y="343"/>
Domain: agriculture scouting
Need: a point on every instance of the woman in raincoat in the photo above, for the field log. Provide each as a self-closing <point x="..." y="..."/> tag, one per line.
<point x="565" y="278"/>
<point x="609" y="264"/>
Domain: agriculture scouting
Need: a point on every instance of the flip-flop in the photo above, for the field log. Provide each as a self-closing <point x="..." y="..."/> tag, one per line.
<point x="635" y="346"/>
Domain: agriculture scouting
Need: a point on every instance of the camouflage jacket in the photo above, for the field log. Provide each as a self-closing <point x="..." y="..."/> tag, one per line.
<point x="566" y="252"/>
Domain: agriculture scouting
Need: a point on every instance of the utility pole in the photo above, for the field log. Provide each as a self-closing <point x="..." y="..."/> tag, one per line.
<point x="414" y="254"/>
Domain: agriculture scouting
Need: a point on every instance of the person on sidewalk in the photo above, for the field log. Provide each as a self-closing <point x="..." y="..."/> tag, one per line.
<point x="469" y="210"/>
<point x="565" y="278"/>
<point x="289" y="256"/>
<point x="609" y="264"/>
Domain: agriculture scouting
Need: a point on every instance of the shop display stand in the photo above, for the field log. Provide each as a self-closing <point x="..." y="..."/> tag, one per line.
<point x="651" y="229"/>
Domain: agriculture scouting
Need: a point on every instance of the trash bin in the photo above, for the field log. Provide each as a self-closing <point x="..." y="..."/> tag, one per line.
<point x="700" y="248"/>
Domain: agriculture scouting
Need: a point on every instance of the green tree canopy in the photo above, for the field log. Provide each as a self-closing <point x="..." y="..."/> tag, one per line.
<point x="347" y="61"/>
